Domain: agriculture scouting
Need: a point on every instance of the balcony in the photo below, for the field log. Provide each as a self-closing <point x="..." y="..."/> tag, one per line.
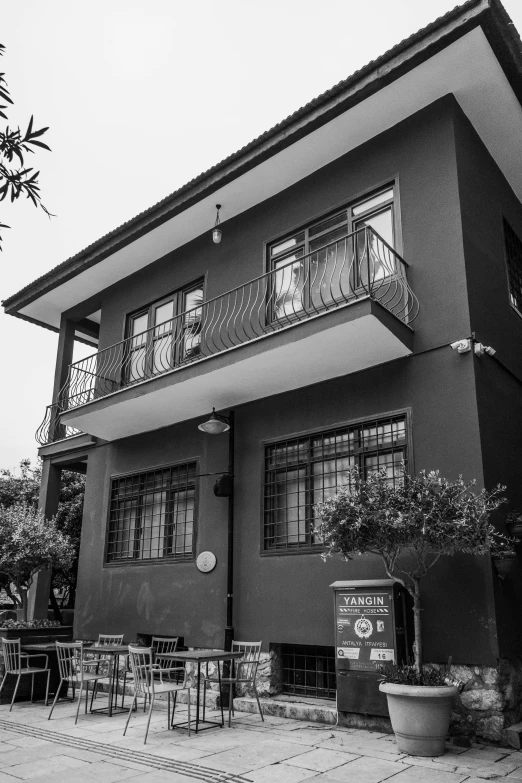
<point x="340" y="309"/>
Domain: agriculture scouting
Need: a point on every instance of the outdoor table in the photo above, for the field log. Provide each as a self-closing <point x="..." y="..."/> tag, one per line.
<point x="114" y="652"/>
<point x="199" y="657"/>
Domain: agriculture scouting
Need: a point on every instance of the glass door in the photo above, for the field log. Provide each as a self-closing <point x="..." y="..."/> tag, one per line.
<point x="375" y="257"/>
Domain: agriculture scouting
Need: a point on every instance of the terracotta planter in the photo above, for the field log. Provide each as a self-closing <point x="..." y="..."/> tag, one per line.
<point x="420" y="716"/>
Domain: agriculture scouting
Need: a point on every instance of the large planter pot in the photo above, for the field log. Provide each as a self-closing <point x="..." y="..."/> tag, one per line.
<point x="420" y="716"/>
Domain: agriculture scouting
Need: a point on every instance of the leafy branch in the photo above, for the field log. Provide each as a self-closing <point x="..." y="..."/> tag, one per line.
<point x="16" y="178"/>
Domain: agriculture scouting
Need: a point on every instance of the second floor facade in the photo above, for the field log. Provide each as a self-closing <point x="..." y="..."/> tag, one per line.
<point x="327" y="266"/>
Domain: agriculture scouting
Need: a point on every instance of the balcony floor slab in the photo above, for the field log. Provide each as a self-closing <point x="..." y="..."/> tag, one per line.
<point x="343" y="341"/>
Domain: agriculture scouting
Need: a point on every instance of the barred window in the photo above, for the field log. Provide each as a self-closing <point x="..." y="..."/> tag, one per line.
<point x="152" y="515"/>
<point x="304" y="471"/>
<point x="514" y="266"/>
<point x="309" y="670"/>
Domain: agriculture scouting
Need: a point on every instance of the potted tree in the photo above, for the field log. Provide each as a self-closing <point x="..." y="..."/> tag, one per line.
<point x="410" y="526"/>
<point x="29" y="543"/>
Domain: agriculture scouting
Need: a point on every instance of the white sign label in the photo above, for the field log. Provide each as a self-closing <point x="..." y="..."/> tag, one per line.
<point x="348" y="652"/>
<point x="206" y="561"/>
<point x="382" y="655"/>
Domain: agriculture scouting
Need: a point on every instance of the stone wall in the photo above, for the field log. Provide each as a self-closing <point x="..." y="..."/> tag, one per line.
<point x="490" y="700"/>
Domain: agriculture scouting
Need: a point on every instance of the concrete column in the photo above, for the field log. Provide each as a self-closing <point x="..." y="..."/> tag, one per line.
<point x="38" y="598"/>
<point x="64" y="357"/>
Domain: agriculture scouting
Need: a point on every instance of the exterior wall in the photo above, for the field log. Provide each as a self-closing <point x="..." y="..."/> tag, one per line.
<point x="486" y="199"/>
<point x="418" y="152"/>
<point x="286" y="597"/>
<point x="176" y="598"/>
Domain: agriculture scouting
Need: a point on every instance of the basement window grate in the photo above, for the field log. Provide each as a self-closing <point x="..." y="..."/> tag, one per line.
<point x="309" y="670"/>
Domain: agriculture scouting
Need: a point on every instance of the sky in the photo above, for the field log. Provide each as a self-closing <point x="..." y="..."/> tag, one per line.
<point x="140" y="97"/>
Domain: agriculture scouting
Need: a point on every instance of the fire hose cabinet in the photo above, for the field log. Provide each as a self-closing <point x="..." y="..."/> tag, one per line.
<point x="373" y="627"/>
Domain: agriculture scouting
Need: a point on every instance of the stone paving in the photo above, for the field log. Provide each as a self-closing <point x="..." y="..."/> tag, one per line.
<point x="283" y="750"/>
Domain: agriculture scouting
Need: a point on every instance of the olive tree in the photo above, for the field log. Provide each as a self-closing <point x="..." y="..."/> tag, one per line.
<point x="410" y="525"/>
<point x="28" y="543"/>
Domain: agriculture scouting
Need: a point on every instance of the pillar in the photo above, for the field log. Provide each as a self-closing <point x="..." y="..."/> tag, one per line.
<point x="64" y="357"/>
<point x="38" y="597"/>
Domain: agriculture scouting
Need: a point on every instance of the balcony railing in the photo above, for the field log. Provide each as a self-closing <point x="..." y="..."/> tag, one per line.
<point x="51" y="429"/>
<point x="358" y="266"/>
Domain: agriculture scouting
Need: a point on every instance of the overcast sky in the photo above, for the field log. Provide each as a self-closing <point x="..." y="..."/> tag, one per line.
<point x="140" y="97"/>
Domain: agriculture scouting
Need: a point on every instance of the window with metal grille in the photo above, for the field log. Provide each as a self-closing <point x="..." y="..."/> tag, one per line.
<point x="514" y="266"/>
<point x="152" y="515"/>
<point x="304" y="471"/>
<point x="309" y="670"/>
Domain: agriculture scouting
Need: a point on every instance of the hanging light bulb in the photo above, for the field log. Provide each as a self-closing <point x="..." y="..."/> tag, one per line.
<point x="217" y="233"/>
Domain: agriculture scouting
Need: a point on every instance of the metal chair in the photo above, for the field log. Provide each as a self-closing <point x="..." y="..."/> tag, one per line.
<point x="242" y="671"/>
<point x="145" y="673"/>
<point x="13" y="660"/>
<point x="161" y="645"/>
<point x="107" y="638"/>
<point x="74" y="670"/>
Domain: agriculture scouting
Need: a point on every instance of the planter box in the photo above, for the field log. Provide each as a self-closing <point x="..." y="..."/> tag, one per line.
<point x="62" y="633"/>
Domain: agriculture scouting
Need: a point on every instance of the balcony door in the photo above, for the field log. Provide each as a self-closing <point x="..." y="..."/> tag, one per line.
<point x="331" y="260"/>
<point x="163" y="335"/>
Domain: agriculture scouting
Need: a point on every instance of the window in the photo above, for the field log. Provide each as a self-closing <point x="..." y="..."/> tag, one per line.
<point x="163" y="335"/>
<point x="309" y="670"/>
<point x="152" y="515"/>
<point x="304" y="471"/>
<point x="332" y="259"/>
<point x="514" y="266"/>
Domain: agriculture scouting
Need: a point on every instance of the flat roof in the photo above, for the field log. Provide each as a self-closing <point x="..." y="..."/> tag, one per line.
<point x="441" y="58"/>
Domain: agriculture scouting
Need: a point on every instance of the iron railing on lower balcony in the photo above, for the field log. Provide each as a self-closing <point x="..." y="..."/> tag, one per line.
<point x="51" y="429"/>
<point x="358" y="265"/>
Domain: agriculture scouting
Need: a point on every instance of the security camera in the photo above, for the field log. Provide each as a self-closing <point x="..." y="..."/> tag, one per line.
<point x="461" y="346"/>
<point x="480" y="349"/>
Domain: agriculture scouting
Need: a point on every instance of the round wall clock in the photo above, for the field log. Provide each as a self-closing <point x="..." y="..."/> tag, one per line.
<point x="206" y="561"/>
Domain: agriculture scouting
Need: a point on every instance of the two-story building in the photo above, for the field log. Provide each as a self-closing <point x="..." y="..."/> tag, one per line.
<point x="361" y="237"/>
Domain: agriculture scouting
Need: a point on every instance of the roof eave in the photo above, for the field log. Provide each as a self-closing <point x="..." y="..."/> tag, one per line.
<point x="405" y="56"/>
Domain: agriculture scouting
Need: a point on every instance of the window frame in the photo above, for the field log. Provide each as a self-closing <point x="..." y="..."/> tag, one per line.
<point x="508" y="264"/>
<point x="177" y="297"/>
<point x="165" y="559"/>
<point x="351" y="220"/>
<point x="324" y="431"/>
<point x="286" y="256"/>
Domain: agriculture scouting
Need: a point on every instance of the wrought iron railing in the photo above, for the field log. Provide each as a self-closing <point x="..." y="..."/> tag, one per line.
<point x="51" y="429"/>
<point x="354" y="267"/>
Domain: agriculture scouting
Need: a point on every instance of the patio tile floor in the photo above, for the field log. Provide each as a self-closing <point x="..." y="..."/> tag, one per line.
<point x="276" y="751"/>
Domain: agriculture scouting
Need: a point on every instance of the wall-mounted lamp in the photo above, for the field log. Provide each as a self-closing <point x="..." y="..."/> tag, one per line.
<point x="217" y="233"/>
<point x="215" y="425"/>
